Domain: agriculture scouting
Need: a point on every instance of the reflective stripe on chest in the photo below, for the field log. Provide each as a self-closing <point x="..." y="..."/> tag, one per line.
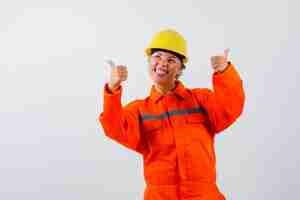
<point x="181" y="112"/>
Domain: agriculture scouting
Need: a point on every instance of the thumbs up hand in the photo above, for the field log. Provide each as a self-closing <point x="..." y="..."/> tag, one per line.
<point x="219" y="62"/>
<point x="118" y="74"/>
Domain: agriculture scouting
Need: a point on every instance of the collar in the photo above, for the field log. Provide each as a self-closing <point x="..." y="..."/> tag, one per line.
<point x="180" y="91"/>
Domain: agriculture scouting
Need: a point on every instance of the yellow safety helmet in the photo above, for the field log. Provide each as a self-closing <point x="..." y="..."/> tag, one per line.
<point x="169" y="40"/>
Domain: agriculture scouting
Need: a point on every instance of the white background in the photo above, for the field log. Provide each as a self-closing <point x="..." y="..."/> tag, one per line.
<point x="52" y="73"/>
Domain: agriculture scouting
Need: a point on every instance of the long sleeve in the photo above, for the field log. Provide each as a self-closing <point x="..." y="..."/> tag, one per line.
<point x="119" y="123"/>
<point x="225" y="103"/>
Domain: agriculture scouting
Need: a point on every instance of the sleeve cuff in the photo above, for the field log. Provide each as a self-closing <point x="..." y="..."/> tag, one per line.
<point x="112" y="99"/>
<point x="229" y="75"/>
<point x="115" y="91"/>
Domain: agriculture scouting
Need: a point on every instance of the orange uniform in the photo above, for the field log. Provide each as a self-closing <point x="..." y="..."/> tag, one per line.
<point x="175" y="134"/>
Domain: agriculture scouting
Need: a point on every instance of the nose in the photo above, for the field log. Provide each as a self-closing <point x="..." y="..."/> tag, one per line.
<point x="163" y="62"/>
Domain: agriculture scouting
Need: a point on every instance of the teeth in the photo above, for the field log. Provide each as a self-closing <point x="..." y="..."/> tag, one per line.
<point x="160" y="71"/>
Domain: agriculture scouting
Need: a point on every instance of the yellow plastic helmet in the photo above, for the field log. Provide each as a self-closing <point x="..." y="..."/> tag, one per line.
<point x="169" y="40"/>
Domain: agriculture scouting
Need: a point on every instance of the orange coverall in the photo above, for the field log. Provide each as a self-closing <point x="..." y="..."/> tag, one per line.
<point x="175" y="134"/>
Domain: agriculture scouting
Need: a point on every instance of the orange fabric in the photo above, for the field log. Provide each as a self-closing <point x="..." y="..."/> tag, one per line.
<point x="175" y="134"/>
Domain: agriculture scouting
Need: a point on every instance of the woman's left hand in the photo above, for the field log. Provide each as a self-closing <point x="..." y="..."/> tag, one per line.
<point x="220" y="62"/>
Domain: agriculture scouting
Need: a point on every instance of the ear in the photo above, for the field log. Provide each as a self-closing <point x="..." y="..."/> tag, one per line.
<point x="179" y="73"/>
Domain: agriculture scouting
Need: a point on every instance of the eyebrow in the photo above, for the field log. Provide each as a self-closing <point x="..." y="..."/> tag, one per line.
<point x="171" y="56"/>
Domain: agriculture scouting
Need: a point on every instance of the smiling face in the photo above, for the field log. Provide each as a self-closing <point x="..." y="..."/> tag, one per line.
<point x="164" y="67"/>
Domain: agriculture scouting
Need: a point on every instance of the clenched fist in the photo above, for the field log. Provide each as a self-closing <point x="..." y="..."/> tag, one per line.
<point x="219" y="62"/>
<point x="118" y="74"/>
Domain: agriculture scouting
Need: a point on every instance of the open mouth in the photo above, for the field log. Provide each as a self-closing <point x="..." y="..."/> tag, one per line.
<point x="160" y="71"/>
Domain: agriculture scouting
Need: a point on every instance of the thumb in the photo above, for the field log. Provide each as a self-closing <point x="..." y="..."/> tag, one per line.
<point x="110" y="63"/>
<point x="226" y="53"/>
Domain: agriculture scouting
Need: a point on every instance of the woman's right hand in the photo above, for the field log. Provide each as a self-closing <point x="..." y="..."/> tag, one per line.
<point x="118" y="74"/>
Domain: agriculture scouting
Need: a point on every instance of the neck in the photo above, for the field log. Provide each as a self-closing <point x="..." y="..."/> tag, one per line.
<point x="165" y="89"/>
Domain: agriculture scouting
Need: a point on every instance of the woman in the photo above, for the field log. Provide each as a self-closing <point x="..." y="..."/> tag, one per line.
<point x="174" y="127"/>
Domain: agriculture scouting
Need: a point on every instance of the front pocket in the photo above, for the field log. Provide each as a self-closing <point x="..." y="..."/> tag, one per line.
<point x="151" y="126"/>
<point x="196" y="120"/>
<point x="157" y="134"/>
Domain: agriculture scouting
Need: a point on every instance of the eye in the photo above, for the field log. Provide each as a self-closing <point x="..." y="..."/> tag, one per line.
<point x="156" y="56"/>
<point x="171" y="61"/>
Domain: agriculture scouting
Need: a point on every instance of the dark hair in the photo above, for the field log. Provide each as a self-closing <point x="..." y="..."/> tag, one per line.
<point x="181" y="57"/>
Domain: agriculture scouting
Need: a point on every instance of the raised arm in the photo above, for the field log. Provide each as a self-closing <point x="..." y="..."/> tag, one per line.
<point x="122" y="124"/>
<point x="225" y="103"/>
